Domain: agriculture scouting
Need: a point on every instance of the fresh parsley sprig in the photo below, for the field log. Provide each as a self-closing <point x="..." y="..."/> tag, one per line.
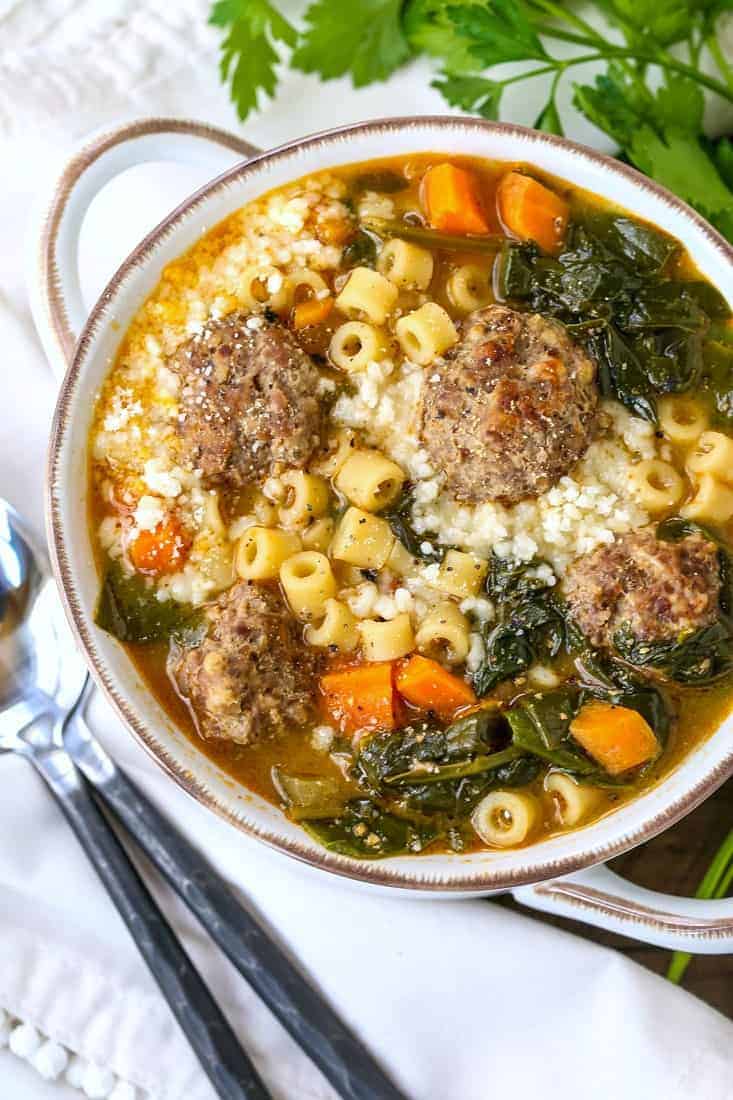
<point x="648" y="98"/>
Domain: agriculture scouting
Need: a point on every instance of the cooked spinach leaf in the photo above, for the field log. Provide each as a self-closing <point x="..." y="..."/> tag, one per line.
<point x="696" y="658"/>
<point x="541" y="725"/>
<point x="364" y="831"/>
<point x="399" y="518"/>
<point x="128" y="609"/>
<point x="644" y="329"/>
<point x="435" y="773"/>
<point x="531" y="623"/>
<point x="621" y="374"/>
<point x="387" y="182"/>
<point x="642" y="246"/>
<point x="533" y="630"/>
<point x="442" y="774"/>
<point x="718" y="378"/>
<point x="420" y="748"/>
<point x="456" y="798"/>
<point x="361" y="251"/>
<point x="509" y="579"/>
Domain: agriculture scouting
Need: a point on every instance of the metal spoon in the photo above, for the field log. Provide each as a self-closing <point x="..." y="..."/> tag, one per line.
<point x="305" y="1014"/>
<point x="42" y="677"/>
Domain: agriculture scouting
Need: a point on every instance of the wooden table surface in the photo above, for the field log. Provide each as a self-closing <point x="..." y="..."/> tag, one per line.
<point x="674" y="862"/>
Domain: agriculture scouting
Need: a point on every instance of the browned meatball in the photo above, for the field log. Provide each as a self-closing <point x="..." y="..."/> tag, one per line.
<point x="512" y="410"/>
<point x="662" y="590"/>
<point x="251" y="677"/>
<point x="249" y="401"/>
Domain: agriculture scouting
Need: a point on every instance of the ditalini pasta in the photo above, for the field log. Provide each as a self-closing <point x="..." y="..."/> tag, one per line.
<point x="362" y="539"/>
<point x="308" y="583"/>
<point x="370" y="480"/>
<point x="262" y="550"/>
<point x="337" y="630"/>
<point x="445" y="632"/>
<point x="408" y="535"/>
<point x="354" y="345"/>
<point x="469" y="287"/>
<point x="657" y="484"/>
<point x="367" y="294"/>
<point x="713" y="454"/>
<point x="426" y="333"/>
<point x="504" y="819"/>
<point x="306" y="498"/>
<point x="406" y="265"/>
<point x="682" y="419"/>
<point x="573" y="801"/>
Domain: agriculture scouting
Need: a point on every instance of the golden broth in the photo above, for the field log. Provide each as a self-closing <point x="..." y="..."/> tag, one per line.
<point x="698" y="710"/>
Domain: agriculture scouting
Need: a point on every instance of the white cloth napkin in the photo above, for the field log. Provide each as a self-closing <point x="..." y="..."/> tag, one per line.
<point x="460" y="1000"/>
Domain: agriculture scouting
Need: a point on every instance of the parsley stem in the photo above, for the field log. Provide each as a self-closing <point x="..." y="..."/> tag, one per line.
<point x="720" y="59"/>
<point x="591" y="37"/>
<point x="564" y="15"/>
<point x="554" y="65"/>
<point x="549" y="31"/>
<point x="553" y="68"/>
<point x="715" y="884"/>
<point x="620" y="53"/>
<point x="671" y="64"/>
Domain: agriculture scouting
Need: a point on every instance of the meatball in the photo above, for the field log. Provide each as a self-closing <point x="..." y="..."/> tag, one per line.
<point x="661" y="590"/>
<point x="251" y="677"/>
<point x="249" y="401"/>
<point x="512" y="409"/>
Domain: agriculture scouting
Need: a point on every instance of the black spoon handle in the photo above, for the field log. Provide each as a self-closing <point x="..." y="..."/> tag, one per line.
<point x="311" y="1021"/>
<point x="217" y="1048"/>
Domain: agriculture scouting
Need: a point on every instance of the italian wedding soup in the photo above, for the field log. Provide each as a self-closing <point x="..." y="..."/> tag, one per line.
<point x="412" y="488"/>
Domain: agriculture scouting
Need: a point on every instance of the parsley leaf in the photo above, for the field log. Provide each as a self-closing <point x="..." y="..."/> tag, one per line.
<point x="657" y="128"/>
<point x="248" y="57"/>
<point x="613" y="103"/>
<point x="472" y="93"/>
<point x="365" y="40"/>
<point x="665" y="21"/>
<point x="680" y="163"/>
<point x="497" y="31"/>
<point x="430" y="30"/>
<point x="679" y="104"/>
<point x="724" y="160"/>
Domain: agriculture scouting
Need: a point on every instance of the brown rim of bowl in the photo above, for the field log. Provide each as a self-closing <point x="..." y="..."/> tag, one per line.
<point x="376" y="872"/>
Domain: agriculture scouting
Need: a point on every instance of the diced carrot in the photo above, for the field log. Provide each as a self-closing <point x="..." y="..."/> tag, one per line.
<point x="426" y="684"/>
<point x="312" y="311"/>
<point x="619" y="738"/>
<point x="162" y="550"/>
<point x="531" y="211"/>
<point x="362" y="697"/>
<point x="452" y="201"/>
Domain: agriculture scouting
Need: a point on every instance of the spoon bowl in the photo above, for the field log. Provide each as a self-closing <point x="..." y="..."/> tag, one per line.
<point x="37" y="650"/>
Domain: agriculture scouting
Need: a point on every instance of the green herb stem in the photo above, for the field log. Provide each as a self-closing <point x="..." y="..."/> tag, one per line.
<point x="726" y="69"/>
<point x="620" y="53"/>
<point x="565" y="15"/>
<point x="715" y="884"/>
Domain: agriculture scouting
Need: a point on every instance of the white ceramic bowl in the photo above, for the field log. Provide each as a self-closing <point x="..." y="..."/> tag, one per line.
<point x="538" y="874"/>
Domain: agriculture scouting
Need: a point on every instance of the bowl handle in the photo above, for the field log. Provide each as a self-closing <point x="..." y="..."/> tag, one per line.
<point x="600" y="897"/>
<point x="53" y="277"/>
